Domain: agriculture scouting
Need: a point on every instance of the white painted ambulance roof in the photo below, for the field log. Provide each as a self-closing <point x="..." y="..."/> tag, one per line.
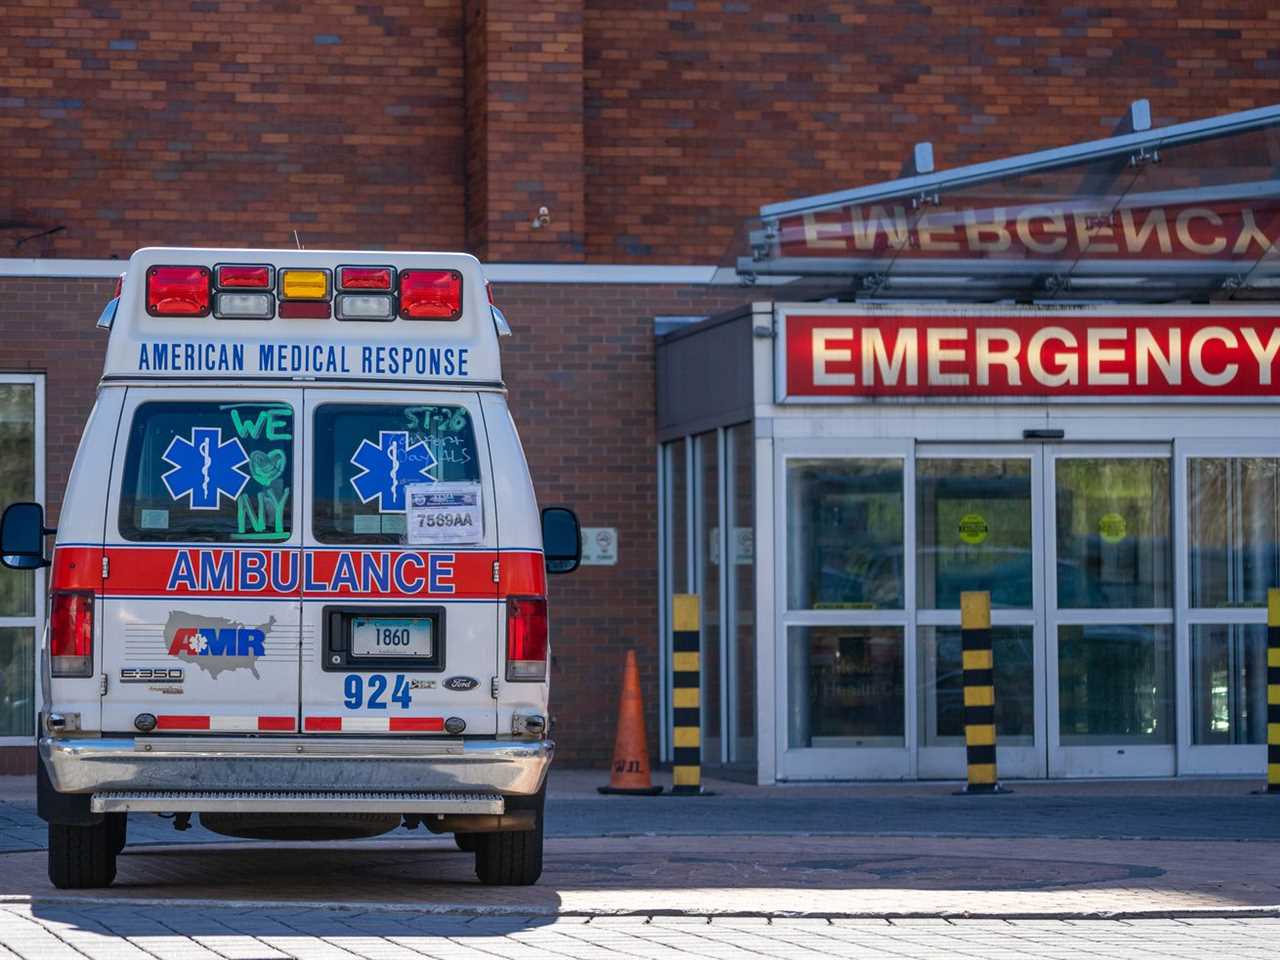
<point x="463" y="351"/>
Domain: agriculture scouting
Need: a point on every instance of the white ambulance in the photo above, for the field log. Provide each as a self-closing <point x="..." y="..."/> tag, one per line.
<point x="298" y="585"/>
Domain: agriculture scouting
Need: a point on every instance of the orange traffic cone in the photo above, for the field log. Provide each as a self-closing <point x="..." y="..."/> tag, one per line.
<point x="630" y="751"/>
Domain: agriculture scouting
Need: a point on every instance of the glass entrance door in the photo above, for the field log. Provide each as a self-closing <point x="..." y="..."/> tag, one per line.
<point x="1075" y="544"/>
<point x="979" y="526"/>
<point x="1109" y="610"/>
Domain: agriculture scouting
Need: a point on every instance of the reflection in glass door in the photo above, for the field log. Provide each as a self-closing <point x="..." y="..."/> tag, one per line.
<point x="978" y="528"/>
<point x="845" y="609"/>
<point x="1232" y="495"/>
<point x="1110" y="611"/>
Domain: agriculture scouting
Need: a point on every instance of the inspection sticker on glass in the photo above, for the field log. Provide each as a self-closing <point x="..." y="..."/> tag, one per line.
<point x="444" y="512"/>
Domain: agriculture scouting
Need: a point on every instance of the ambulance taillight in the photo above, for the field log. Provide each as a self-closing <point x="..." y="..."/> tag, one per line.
<point x="527" y="638"/>
<point x="71" y="633"/>
<point x="430" y="294"/>
<point x="178" y="291"/>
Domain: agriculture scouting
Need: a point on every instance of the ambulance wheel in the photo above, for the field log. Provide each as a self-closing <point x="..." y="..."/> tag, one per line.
<point x="82" y="857"/>
<point x="512" y="858"/>
<point x="465" y="841"/>
<point x="119" y="825"/>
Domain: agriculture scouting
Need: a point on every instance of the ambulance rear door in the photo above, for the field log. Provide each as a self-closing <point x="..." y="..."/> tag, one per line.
<point x="202" y="594"/>
<point x="400" y="597"/>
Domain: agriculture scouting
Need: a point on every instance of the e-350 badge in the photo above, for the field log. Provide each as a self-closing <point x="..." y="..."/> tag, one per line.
<point x="151" y="674"/>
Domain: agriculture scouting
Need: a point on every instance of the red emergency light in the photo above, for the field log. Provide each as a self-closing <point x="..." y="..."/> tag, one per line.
<point x="178" y="291"/>
<point x="430" y="294"/>
<point x="366" y="278"/>
<point x="242" y="276"/>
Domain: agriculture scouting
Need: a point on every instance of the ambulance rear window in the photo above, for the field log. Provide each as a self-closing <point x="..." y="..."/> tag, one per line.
<point x="209" y="472"/>
<point x="367" y="453"/>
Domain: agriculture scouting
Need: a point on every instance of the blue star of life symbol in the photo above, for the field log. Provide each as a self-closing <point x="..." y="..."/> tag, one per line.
<point x="385" y="468"/>
<point x="205" y="469"/>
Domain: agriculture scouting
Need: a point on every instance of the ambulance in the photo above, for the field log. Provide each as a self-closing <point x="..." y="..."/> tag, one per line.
<point x="299" y="578"/>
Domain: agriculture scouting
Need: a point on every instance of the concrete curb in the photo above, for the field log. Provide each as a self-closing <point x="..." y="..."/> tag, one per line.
<point x="539" y="910"/>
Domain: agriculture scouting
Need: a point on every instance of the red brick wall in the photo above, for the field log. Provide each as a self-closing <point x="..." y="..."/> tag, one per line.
<point x="227" y="123"/>
<point x="580" y="368"/>
<point x="650" y="131"/>
<point x="698" y="112"/>
<point x="524" y="129"/>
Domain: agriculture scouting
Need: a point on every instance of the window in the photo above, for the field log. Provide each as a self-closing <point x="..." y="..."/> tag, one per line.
<point x="845" y="523"/>
<point x="1233" y="537"/>
<point x="19" y="473"/>
<point x="367" y="453"/>
<point x="1233" y="520"/>
<point x="209" y="472"/>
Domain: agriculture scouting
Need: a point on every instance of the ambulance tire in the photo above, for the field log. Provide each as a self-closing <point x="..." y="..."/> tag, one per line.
<point x="512" y="858"/>
<point x="81" y="857"/>
<point x="119" y="825"/>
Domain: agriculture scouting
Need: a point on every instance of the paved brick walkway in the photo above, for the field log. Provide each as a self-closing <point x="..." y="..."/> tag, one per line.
<point x="49" y="931"/>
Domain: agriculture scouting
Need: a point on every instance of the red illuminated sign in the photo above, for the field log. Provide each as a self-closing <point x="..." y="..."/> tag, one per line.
<point x="859" y="353"/>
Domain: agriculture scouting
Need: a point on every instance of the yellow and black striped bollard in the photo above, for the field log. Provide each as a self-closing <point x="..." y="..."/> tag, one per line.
<point x="979" y="692"/>
<point x="686" y="695"/>
<point x="1273" y="691"/>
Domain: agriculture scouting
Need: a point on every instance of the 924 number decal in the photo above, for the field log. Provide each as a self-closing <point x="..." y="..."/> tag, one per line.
<point x="370" y="691"/>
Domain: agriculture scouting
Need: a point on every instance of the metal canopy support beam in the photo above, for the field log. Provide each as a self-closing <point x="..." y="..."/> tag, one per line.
<point x="1075" y="154"/>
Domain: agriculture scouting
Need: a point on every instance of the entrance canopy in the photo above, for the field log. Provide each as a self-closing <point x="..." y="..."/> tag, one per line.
<point x="1186" y="212"/>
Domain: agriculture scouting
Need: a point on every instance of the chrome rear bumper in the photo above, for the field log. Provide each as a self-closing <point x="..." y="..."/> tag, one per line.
<point x="94" y="766"/>
<point x="296" y="801"/>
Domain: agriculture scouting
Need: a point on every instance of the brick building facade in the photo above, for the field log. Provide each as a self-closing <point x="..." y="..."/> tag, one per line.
<point x="649" y="132"/>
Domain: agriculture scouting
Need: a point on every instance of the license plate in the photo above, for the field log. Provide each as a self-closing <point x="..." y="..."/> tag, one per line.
<point x="392" y="637"/>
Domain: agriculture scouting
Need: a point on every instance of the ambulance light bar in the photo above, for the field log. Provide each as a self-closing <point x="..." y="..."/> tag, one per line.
<point x="178" y="291"/>
<point x="249" y="291"/>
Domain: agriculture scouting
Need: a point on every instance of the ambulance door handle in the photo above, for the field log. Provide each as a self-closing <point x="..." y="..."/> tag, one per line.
<point x="106" y="566"/>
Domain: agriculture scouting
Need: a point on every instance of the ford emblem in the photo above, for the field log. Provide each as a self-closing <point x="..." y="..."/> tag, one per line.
<point x="461" y="683"/>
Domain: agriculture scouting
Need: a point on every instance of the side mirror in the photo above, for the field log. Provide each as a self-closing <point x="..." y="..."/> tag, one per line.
<point x="22" y="533"/>
<point x="561" y="540"/>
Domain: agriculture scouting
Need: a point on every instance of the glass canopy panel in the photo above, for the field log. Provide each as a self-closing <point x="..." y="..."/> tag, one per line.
<point x="1186" y="211"/>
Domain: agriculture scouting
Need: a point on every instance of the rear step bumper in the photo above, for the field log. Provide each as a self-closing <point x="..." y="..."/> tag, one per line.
<point x="239" y="765"/>
<point x="294" y="801"/>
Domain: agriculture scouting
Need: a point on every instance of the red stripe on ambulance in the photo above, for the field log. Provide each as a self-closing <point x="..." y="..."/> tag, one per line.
<point x="261" y="572"/>
<point x="373" y="724"/>
<point x="228" y="724"/>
